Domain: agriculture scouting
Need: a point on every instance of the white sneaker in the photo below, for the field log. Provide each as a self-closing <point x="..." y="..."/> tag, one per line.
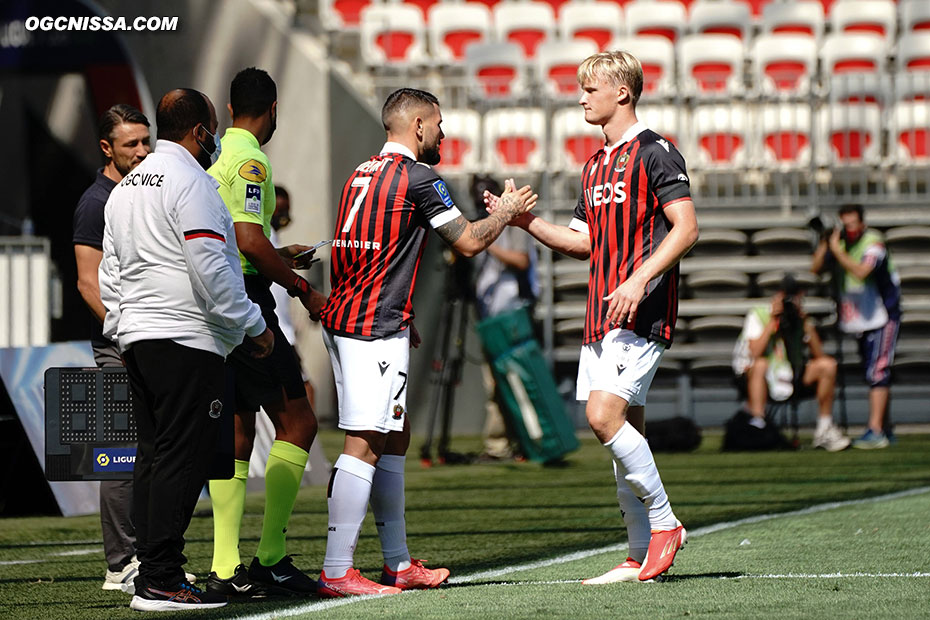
<point x="125" y="579"/>
<point x="831" y="439"/>
<point x="628" y="571"/>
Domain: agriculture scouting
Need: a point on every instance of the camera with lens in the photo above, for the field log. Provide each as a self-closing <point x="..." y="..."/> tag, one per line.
<point x="824" y="227"/>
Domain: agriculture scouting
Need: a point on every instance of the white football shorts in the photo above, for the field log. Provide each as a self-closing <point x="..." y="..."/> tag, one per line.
<point x="371" y="380"/>
<point x="622" y="364"/>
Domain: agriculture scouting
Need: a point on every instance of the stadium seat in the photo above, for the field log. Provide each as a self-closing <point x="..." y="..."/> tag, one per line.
<point x="786" y="134"/>
<point x="711" y="65"/>
<point x="557" y="66"/>
<point x="877" y="17"/>
<point x="343" y="14"/>
<point x="515" y="139"/>
<point x="657" y="56"/>
<point x="557" y="6"/>
<point x="716" y="284"/>
<point x="756" y="7"/>
<point x="721" y="17"/>
<point x="723" y="328"/>
<point x="783" y="64"/>
<point x="665" y="120"/>
<point x="781" y="241"/>
<point x="721" y="135"/>
<point x="496" y="70"/>
<point x="853" y="66"/>
<point x="915" y="280"/>
<point x="423" y="5"/>
<point x="656" y="17"/>
<point x="802" y="17"/>
<point x="915" y="15"/>
<point x="914" y="52"/>
<point x="720" y="242"/>
<point x="461" y="147"/>
<point x="769" y="282"/>
<point x="392" y="34"/>
<point x="850" y="133"/>
<point x="452" y="27"/>
<point x="910" y="133"/>
<point x="574" y="140"/>
<point x="908" y="239"/>
<point x="598" y="21"/>
<point x="527" y="23"/>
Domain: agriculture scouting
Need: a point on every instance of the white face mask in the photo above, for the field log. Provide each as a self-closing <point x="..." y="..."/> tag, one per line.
<point x="217" y="147"/>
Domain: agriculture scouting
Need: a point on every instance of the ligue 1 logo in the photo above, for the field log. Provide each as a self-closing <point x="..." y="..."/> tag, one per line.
<point x="103" y="460"/>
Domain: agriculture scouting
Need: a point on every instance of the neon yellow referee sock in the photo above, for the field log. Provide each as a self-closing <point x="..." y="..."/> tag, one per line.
<point x="228" y="499"/>
<point x="283" y="471"/>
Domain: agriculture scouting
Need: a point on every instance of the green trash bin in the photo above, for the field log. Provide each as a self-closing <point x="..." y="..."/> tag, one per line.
<point x="530" y="400"/>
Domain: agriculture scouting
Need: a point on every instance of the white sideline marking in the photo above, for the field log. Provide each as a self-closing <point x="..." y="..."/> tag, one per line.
<point x="828" y="576"/>
<point x="579" y="555"/>
<point x="14" y="562"/>
<point x="77" y="552"/>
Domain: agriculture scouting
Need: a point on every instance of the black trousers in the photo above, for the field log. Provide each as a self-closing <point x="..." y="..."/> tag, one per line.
<point x="177" y="400"/>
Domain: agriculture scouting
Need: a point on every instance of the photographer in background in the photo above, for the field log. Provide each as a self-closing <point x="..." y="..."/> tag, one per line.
<point x="770" y="356"/>
<point x="870" y="307"/>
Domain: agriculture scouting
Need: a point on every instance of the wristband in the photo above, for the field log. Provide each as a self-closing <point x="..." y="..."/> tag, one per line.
<point x="299" y="287"/>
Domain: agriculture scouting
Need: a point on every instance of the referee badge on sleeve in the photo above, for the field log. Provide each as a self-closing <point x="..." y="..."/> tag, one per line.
<point x="253" y="198"/>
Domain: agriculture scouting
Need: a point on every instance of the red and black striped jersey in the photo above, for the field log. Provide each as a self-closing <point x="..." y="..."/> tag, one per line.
<point x="625" y="188"/>
<point x="381" y="230"/>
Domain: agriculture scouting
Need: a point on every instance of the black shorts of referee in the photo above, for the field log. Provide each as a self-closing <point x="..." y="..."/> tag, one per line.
<point x="259" y="382"/>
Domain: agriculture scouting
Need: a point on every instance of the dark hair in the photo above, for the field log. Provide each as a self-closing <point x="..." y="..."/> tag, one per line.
<point x="279" y="190"/>
<point x="179" y="111"/>
<point x="401" y="99"/>
<point x="117" y="115"/>
<point x="252" y="92"/>
<point x="852" y="208"/>
<point x="790" y="285"/>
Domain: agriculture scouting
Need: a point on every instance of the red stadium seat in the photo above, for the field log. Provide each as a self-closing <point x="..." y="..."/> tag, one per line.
<point x="851" y="133"/>
<point x="452" y="27"/>
<point x="804" y="17"/>
<point x="392" y="35"/>
<point x="574" y="140"/>
<point x="910" y="137"/>
<point x="721" y="135"/>
<point x="346" y="13"/>
<point x="515" y="139"/>
<point x="711" y="65"/>
<point x="914" y="51"/>
<point x="656" y="17"/>
<point x="525" y="23"/>
<point x="915" y="16"/>
<point x="497" y="70"/>
<point x="784" y="63"/>
<point x="877" y="17"/>
<point x="657" y="56"/>
<point x="665" y="120"/>
<point x="786" y="134"/>
<point x="721" y="17"/>
<point x="460" y="149"/>
<point x="557" y="66"/>
<point x="853" y="66"/>
<point x="598" y="21"/>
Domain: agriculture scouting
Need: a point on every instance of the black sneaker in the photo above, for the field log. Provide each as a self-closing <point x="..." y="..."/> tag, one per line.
<point x="237" y="585"/>
<point x="283" y="577"/>
<point x="176" y="598"/>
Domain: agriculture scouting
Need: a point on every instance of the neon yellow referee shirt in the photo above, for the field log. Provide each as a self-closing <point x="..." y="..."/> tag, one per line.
<point x="244" y="175"/>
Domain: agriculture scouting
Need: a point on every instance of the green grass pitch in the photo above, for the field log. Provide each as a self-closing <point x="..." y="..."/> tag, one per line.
<point x="519" y="537"/>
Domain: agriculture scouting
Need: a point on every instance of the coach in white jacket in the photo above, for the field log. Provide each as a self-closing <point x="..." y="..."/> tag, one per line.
<point x="176" y="305"/>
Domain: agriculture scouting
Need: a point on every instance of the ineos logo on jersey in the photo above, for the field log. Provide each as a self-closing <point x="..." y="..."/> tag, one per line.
<point x="601" y="194"/>
<point x="143" y="179"/>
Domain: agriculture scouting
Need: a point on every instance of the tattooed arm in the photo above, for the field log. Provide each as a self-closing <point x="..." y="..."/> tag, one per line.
<point x="470" y="238"/>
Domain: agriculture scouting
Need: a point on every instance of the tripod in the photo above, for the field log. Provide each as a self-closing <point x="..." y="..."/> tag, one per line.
<point x="448" y="359"/>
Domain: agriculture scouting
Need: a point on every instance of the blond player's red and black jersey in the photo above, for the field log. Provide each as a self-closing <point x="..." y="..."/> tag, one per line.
<point x="625" y="188"/>
<point x="385" y="210"/>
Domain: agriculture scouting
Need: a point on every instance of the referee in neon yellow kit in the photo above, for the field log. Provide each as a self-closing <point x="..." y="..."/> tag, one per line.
<point x="274" y="383"/>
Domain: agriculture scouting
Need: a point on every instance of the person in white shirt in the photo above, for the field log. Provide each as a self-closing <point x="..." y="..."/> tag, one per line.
<point x="172" y="286"/>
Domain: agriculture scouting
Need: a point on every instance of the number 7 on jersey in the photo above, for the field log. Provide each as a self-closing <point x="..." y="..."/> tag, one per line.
<point x="362" y="182"/>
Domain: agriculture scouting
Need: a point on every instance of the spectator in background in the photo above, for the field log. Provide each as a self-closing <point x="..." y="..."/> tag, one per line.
<point x="501" y="285"/>
<point x="770" y="358"/>
<point x="125" y="142"/>
<point x="175" y="301"/>
<point x="870" y="307"/>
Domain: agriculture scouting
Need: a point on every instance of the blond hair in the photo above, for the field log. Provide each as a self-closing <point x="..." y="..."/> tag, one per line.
<point x="617" y="68"/>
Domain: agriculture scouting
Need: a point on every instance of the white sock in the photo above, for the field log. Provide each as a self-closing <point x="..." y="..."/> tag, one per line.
<point x="757" y="421"/>
<point x="349" y="489"/>
<point x="823" y="423"/>
<point x="634" y="460"/>
<point x="636" y="518"/>
<point x="387" y="505"/>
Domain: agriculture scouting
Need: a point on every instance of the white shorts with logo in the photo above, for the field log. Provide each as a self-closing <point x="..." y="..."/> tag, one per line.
<point x="371" y="380"/>
<point x="622" y="364"/>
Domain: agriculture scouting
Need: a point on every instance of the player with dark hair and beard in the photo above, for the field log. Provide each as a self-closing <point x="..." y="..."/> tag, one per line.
<point x="387" y="207"/>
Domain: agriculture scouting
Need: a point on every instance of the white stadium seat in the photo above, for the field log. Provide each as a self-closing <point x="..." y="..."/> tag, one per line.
<point x="721" y="17"/>
<point x="461" y="146"/>
<point x="656" y="17"/>
<point x="574" y="140"/>
<point x="392" y="34"/>
<point x="786" y="135"/>
<point x="600" y="22"/>
<point x="453" y="26"/>
<point x="803" y="17"/>
<point x="783" y="64"/>
<point x="557" y="66"/>
<point x="515" y="140"/>
<point x="496" y="70"/>
<point x="721" y="135"/>
<point x="711" y="65"/>
<point x="877" y="17"/>
<point x="527" y="23"/>
<point x="657" y="56"/>
<point x="850" y="134"/>
<point x="910" y="132"/>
